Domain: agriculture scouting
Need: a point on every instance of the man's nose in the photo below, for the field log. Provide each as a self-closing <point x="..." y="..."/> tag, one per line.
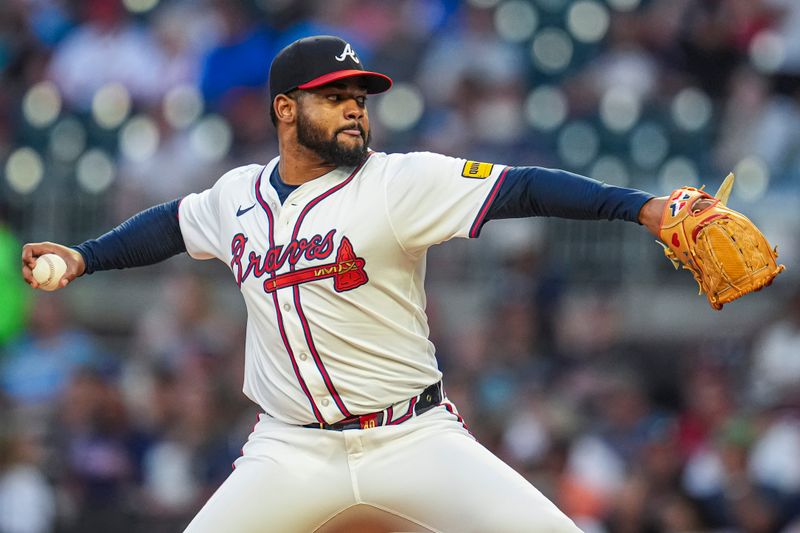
<point x="352" y="110"/>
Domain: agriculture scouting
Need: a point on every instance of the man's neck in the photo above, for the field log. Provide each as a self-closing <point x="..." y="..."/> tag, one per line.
<point x="299" y="165"/>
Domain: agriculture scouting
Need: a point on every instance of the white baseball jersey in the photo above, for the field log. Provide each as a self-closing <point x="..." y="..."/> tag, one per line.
<point x="333" y="278"/>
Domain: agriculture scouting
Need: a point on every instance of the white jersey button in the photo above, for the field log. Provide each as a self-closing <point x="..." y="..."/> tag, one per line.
<point x="326" y="402"/>
<point x="303" y="356"/>
<point x="287" y="307"/>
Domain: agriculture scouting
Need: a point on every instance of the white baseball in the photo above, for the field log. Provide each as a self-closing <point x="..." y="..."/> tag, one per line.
<point x="48" y="271"/>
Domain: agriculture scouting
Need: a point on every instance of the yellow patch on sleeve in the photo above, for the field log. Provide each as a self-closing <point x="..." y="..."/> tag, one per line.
<point x="477" y="170"/>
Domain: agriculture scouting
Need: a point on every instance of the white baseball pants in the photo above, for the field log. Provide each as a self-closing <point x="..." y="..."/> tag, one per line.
<point x="427" y="474"/>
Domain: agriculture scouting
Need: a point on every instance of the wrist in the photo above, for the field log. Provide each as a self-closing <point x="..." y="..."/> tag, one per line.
<point x="650" y="214"/>
<point x="80" y="260"/>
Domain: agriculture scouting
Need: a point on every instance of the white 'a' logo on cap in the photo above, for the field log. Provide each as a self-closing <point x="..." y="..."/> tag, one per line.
<point x="348" y="51"/>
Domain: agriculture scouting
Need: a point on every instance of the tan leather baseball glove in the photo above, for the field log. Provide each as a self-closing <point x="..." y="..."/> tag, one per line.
<point x="725" y="252"/>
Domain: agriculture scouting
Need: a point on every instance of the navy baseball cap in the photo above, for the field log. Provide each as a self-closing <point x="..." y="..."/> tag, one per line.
<point x="315" y="61"/>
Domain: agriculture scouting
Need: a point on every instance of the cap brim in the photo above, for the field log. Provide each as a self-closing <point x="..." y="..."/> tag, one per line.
<point x="376" y="82"/>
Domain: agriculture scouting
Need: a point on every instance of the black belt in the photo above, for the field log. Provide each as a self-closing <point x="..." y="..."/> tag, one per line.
<point x="430" y="397"/>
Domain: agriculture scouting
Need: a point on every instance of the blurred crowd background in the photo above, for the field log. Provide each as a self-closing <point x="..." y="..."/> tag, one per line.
<point x="573" y="349"/>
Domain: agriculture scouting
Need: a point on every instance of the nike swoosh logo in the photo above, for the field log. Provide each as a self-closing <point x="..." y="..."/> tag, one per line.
<point x="240" y="211"/>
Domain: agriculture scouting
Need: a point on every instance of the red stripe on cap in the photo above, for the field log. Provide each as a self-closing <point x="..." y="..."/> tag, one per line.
<point x="342" y="74"/>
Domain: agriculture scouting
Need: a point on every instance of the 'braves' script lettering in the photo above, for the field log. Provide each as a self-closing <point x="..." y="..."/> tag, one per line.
<point x="317" y="247"/>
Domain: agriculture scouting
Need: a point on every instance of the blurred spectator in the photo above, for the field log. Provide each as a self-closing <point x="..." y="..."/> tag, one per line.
<point x="473" y="79"/>
<point x="27" y="500"/>
<point x="184" y="327"/>
<point x="708" y="403"/>
<point x="108" y="47"/>
<point x="184" y="34"/>
<point x="99" y="453"/>
<point x="175" y="169"/>
<point x="774" y="461"/>
<point x="241" y="57"/>
<point x="786" y="16"/>
<point x="717" y="476"/>
<point x="651" y="498"/>
<point x="715" y="40"/>
<point x="776" y="366"/>
<point x="40" y="363"/>
<point x="600" y="457"/>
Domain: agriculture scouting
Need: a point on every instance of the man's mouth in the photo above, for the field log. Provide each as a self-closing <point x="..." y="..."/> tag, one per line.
<point x="352" y="131"/>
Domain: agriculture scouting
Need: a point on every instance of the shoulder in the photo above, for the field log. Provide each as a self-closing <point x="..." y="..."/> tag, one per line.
<point x="239" y="178"/>
<point x="241" y="174"/>
<point x="415" y="162"/>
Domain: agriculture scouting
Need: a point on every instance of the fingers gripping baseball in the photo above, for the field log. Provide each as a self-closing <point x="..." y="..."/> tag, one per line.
<point x="49" y="275"/>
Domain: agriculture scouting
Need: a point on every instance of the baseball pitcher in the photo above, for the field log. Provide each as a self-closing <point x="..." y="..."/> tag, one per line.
<point x="327" y="243"/>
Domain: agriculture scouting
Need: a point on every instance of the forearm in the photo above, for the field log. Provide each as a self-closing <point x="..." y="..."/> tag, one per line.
<point x="144" y="239"/>
<point x="534" y="191"/>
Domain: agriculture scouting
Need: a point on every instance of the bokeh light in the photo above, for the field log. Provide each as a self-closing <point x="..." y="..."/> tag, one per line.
<point x="138" y="140"/>
<point x="588" y="21"/>
<point x="183" y="105"/>
<point x="553" y="6"/>
<point x="139" y="6"/>
<point x="691" y="109"/>
<point x="752" y="179"/>
<point x="620" y="108"/>
<point x="767" y="51"/>
<point x="649" y="145"/>
<point x="211" y="138"/>
<point x="578" y="143"/>
<point x="401" y="108"/>
<point x="67" y="139"/>
<point x="24" y="170"/>
<point x="624" y="5"/>
<point x="552" y="50"/>
<point x="677" y="172"/>
<point x="95" y="171"/>
<point x="610" y="169"/>
<point x="111" y="105"/>
<point x="546" y="107"/>
<point x="516" y="20"/>
<point x="41" y="104"/>
<point x="483" y="4"/>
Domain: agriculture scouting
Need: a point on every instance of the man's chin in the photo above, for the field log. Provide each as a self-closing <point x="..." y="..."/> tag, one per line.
<point x="349" y="140"/>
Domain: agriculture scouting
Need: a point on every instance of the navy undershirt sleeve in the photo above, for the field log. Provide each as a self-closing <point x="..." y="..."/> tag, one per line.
<point x="144" y="239"/>
<point x="535" y="191"/>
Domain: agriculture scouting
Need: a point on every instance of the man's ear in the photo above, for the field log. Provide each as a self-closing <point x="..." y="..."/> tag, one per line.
<point x="285" y="108"/>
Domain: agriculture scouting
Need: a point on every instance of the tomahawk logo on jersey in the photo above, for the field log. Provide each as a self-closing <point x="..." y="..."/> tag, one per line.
<point x="317" y="270"/>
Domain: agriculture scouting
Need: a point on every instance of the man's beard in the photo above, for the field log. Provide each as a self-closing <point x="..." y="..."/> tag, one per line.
<point x="329" y="149"/>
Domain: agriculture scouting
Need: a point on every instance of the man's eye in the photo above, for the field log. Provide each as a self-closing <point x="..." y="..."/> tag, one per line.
<point x="361" y="100"/>
<point x="333" y="97"/>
